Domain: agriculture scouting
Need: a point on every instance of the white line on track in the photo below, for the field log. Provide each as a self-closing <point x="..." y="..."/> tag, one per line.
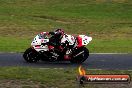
<point x="52" y="68"/>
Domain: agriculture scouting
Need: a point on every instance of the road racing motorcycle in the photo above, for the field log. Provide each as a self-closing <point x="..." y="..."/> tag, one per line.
<point x="72" y="49"/>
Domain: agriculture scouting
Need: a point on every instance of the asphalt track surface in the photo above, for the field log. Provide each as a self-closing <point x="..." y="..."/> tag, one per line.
<point x="95" y="61"/>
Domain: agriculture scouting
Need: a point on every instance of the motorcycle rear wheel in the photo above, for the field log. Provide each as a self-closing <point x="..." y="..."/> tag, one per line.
<point x="82" y="57"/>
<point x="30" y="55"/>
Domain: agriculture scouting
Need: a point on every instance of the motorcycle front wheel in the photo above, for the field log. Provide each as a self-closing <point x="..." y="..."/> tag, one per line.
<point x="30" y="55"/>
<point x="80" y="55"/>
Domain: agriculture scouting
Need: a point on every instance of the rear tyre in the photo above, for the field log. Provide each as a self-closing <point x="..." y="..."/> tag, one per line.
<point x="82" y="57"/>
<point x="30" y="55"/>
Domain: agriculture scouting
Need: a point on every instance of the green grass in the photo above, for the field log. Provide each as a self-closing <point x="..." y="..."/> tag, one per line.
<point x="61" y="78"/>
<point x="13" y="44"/>
<point x="111" y="46"/>
<point x="109" y="22"/>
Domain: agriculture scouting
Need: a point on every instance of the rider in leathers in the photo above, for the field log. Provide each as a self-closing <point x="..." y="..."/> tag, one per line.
<point x="55" y="40"/>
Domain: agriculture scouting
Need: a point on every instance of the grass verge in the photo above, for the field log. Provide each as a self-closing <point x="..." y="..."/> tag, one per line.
<point x="45" y="78"/>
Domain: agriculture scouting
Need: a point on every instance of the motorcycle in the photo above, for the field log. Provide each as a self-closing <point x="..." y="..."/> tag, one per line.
<point x="72" y="49"/>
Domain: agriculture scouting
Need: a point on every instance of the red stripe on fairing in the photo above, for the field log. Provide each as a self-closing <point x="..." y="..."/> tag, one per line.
<point x="37" y="46"/>
<point x="79" y="40"/>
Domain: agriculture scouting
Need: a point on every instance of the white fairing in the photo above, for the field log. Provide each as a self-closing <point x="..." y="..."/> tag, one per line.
<point x="85" y="39"/>
<point x="36" y="44"/>
<point x="69" y="38"/>
<point x="36" y="41"/>
<point x="39" y="41"/>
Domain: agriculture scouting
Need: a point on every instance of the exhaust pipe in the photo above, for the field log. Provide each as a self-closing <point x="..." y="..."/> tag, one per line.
<point x="78" y="54"/>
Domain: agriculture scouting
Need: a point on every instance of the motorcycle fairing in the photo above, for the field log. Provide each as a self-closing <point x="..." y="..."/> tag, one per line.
<point x="37" y="43"/>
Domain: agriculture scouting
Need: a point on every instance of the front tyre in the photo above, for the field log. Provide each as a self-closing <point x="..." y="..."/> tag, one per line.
<point x="80" y="58"/>
<point x="30" y="55"/>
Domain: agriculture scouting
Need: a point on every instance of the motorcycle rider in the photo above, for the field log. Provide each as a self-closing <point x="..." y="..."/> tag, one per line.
<point x="58" y="40"/>
<point x="55" y="40"/>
